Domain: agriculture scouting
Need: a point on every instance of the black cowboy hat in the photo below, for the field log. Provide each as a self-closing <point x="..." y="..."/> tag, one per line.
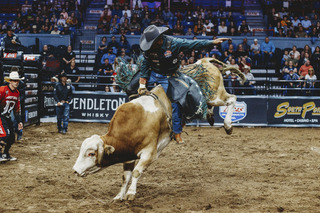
<point x="150" y="34"/>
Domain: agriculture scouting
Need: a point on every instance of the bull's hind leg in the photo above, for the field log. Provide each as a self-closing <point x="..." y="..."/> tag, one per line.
<point x="127" y="174"/>
<point x="230" y="103"/>
<point x="146" y="158"/>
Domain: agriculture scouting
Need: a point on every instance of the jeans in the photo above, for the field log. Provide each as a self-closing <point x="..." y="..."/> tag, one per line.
<point x="63" y="116"/>
<point x="15" y="124"/>
<point x="156" y="79"/>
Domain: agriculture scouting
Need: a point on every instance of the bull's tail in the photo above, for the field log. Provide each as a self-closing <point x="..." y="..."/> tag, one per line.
<point x="226" y="67"/>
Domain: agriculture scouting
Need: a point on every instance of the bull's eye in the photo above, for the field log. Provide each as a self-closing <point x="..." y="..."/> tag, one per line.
<point x="91" y="154"/>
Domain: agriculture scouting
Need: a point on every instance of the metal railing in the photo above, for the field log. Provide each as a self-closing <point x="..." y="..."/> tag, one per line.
<point x="266" y="87"/>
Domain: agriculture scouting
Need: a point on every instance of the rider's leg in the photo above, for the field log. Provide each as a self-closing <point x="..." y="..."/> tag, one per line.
<point x="177" y="122"/>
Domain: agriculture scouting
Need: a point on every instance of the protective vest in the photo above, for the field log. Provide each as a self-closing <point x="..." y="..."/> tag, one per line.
<point x="164" y="62"/>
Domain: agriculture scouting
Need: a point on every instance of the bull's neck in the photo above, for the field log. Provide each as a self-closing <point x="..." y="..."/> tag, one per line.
<point x="119" y="156"/>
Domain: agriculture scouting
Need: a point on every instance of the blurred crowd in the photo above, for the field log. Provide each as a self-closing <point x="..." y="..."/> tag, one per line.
<point x="47" y="17"/>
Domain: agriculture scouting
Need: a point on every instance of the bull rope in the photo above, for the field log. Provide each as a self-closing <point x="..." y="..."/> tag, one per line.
<point x="91" y="195"/>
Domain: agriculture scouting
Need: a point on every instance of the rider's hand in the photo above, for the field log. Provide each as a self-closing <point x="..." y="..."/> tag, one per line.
<point x="143" y="91"/>
<point x="220" y="40"/>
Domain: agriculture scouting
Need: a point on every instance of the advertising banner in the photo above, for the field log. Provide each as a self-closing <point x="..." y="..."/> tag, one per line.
<point x="295" y="111"/>
<point x="95" y="107"/>
<point x="249" y="110"/>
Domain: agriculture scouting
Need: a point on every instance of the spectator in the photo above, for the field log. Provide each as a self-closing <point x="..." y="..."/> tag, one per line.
<point x="209" y="27"/>
<point x="296" y="53"/>
<point x="157" y="21"/>
<point x="167" y="14"/>
<point x="255" y="52"/>
<point x="295" y="62"/>
<point x="62" y="94"/>
<point x="291" y="77"/>
<point x="315" y="59"/>
<point x="137" y="10"/>
<point x="61" y="21"/>
<point x="306" y="49"/>
<point x="203" y="32"/>
<point x="301" y="33"/>
<point x="286" y="70"/>
<point x="226" y="46"/>
<point x="114" y="45"/>
<point x="64" y="14"/>
<point x="310" y="82"/>
<point x="124" y="45"/>
<point x="55" y="30"/>
<point x="283" y="13"/>
<point x="126" y="11"/>
<point x="10" y="42"/>
<point x="66" y="30"/>
<point x="277" y="28"/>
<point x="69" y="56"/>
<point x="189" y="32"/>
<point x="34" y="29"/>
<point x="285" y="57"/>
<point x="124" y="19"/>
<point x="240" y="51"/>
<point x="244" y="27"/>
<point x="9" y="95"/>
<point x="295" y="23"/>
<point x="267" y="50"/>
<point x="73" y="72"/>
<point x="222" y="29"/>
<point x="46" y="52"/>
<point x="250" y="82"/>
<point x="303" y="71"/>
<point x="198" y="27"/>
<point x="306" y="23"/>
<point x="304" y="58"/>
<point x="134" y="27"/>
<point x="146" y="21"/>
<point x="108" y="55"/>
<point x="314" y="33"/>
<point x="104" y="73"/>
<point x="216" y="50"/>
<point x="107" y="89"/>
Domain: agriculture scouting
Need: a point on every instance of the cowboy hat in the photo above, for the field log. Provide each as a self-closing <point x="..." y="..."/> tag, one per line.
<point x="14" y="76"/>
<point x="150" y="34"/>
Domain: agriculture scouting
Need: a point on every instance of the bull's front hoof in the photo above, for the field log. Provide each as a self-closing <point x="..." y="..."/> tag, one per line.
<point x="129" y="197"/>
<point x="229" y="131"/>
<point x="210" y="119"/>
<point x="117" y="198"/>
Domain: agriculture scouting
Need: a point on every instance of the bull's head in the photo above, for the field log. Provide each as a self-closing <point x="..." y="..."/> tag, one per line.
<point x="91" y="155"/>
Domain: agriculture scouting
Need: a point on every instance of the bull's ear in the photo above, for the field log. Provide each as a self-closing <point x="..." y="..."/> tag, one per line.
<point x="108" y="149"/>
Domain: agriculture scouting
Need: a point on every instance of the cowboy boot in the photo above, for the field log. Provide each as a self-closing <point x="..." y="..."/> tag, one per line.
<point x="178" y="138"/>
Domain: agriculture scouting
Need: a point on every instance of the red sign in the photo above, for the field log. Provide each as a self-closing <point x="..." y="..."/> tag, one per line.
<point x="9" y="55"/>
<point x="29" y="58"/>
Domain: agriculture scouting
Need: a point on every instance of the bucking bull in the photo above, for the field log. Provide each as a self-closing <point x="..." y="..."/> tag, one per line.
<point x="141" y="129"/>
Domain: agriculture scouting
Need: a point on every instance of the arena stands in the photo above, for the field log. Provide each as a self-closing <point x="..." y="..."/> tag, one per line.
<point x="241" y="20"/>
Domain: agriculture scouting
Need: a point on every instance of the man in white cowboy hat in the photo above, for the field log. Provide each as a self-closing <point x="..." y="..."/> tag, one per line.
<point x="9" y="100"/>
<point x="161" y="59"/>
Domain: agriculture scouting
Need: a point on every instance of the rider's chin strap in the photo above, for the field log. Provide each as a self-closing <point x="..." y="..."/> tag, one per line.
<point x="169" y="118"/>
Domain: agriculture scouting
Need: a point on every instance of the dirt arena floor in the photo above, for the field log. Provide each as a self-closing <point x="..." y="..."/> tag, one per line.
<point x="253" y="170"/>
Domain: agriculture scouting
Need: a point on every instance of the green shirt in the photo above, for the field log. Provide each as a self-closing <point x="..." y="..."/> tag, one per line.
<point x="177" y="45"/>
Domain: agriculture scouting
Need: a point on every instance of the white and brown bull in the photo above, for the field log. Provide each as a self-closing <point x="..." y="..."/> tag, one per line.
<point x="139" y="129"/>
